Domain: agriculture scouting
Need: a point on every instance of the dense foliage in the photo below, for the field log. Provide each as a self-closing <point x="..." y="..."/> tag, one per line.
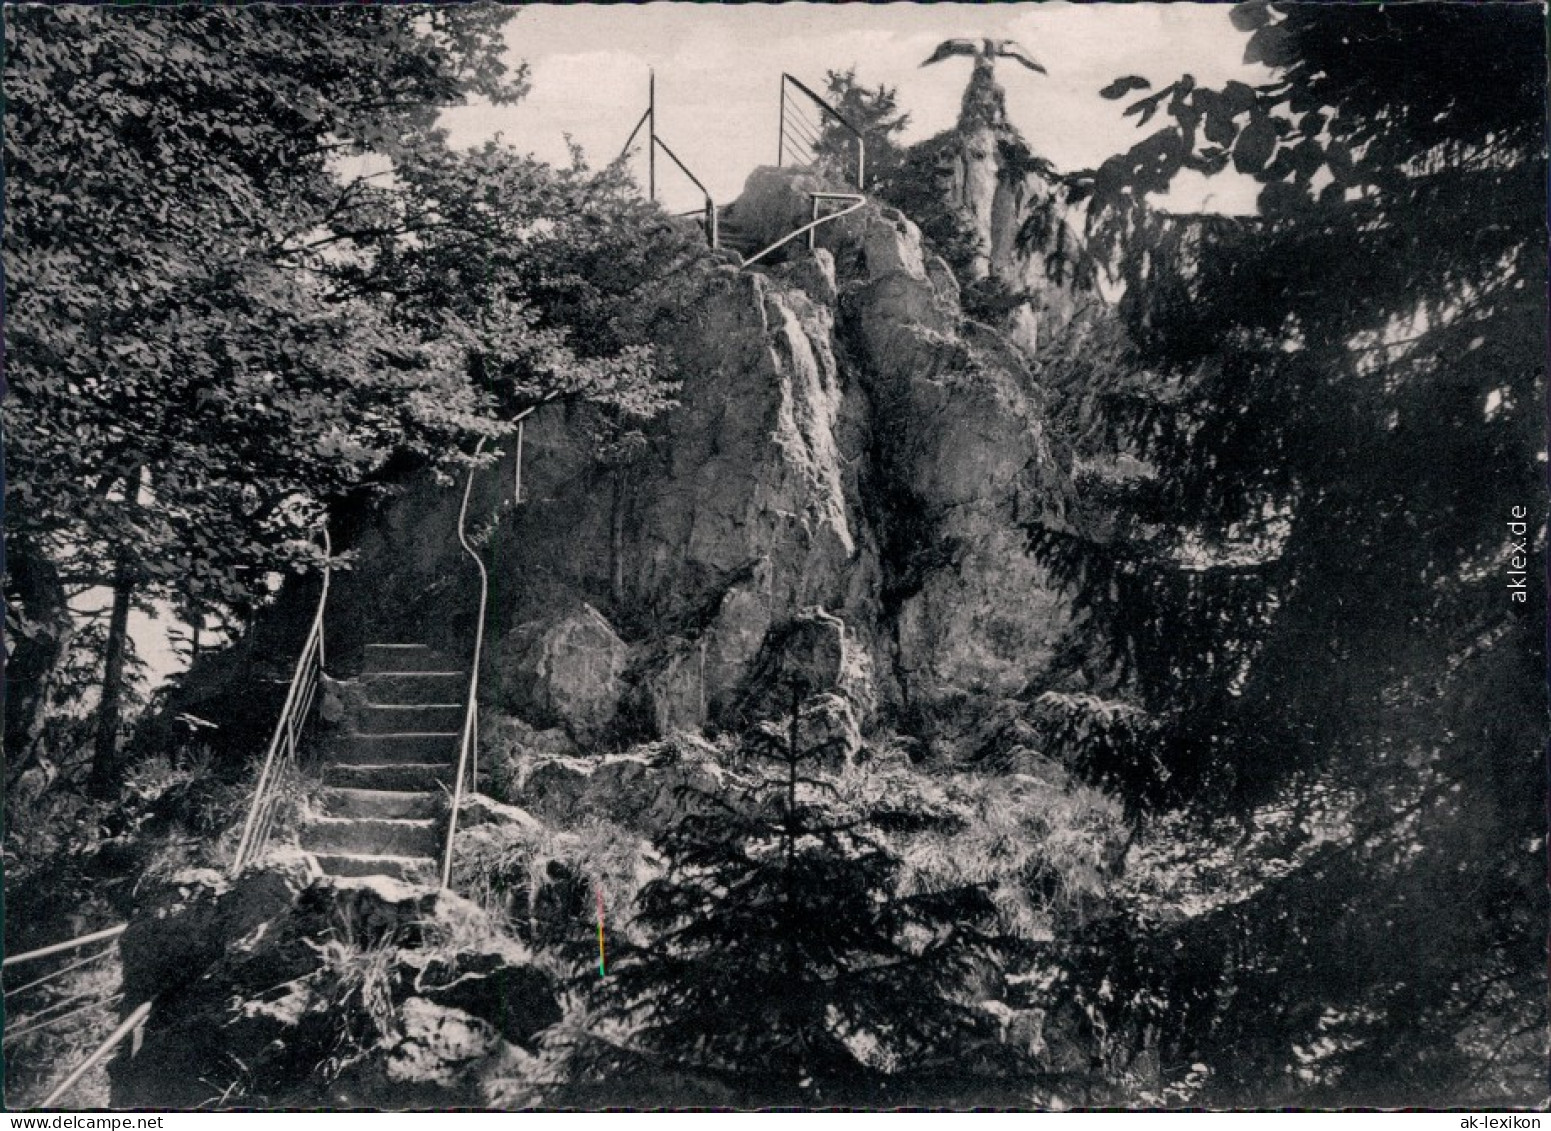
<point x="875" y="113"/>
<point x="268" y="278"/>
<point x="1321" y="676"/>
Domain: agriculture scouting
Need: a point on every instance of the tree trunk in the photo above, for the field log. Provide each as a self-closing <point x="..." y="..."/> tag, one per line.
<point x="104" y="777"/>
<point x="33" y="659"/>
<point x="617" y="542"/>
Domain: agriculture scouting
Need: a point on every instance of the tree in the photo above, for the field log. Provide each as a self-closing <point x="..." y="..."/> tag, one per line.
<point x="181" y="397"/>
<point x="204" y="342"/>
<point x="783" y="956"/>
<point x="875" y="113"/>
<point x="1316" y="677"/>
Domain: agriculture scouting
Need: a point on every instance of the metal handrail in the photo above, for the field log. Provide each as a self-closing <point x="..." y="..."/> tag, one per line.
<point x="49" y="1015"/>
<point x="653" y="144"/>
<point x="710" y="205"/>
<point x="468" y="743"/>
<point x="283" y="745"/>
<point x="468" y="746"/>
<point x="125" y="1027"/>
<point x="67" y="968"/>
<point x="856" y="199"/>
<point x="822" y="104"/>
<point x="69" y="944"/>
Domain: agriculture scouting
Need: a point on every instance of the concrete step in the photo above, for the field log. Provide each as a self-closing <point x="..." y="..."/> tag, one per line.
<point x="371" y="836"/>
<point x="420" y="687"/>
<point x="409" y="777"/>
<point x="404" y="658"/>
<point x="744" y="243"/>
<point x="381" y="803"/>
<point x="402" y="718"/>
<point x="410" y="869"/>
<point x="433" y="747"/>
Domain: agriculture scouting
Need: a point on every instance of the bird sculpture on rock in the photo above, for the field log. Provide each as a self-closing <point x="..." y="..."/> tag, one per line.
<point x="985" y="52"/>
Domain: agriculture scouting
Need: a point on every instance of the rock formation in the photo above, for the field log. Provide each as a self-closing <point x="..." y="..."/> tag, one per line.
<point x="286" y="989"/>
<point x="840" y="502"/>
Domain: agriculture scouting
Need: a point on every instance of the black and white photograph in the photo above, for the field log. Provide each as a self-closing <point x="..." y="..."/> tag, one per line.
<point x="735" y="557"/>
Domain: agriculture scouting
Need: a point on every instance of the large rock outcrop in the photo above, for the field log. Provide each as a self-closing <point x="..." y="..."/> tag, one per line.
<point x="1011" y="203"/>
<point x="565" y="672"/>
<point x="847" y="447"/>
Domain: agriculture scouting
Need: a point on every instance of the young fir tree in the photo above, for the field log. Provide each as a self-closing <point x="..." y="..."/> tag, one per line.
<point x="782" y="957"/>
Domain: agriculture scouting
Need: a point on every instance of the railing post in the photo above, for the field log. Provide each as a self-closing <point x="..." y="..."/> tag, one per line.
<point x="861" y="165"/>
<point x="711" y="218"/>
<point x="813" y="218"/>
<point x="651" y="143"/>
<point x="781" y="128"/>
<point x="328" y="553"/>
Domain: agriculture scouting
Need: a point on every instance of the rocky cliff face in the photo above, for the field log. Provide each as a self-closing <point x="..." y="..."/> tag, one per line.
<point x="847" y="444"/>
<point x="1025" y="243"/>
<point x="843" y="494"/>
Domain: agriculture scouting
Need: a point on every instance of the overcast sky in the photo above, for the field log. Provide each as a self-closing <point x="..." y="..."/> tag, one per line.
<point x="718" y="71"/>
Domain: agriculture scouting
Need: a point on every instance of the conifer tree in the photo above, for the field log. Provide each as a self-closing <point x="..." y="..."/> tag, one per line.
<point x="1321" y="698"/>
<point x="782" y="956"/>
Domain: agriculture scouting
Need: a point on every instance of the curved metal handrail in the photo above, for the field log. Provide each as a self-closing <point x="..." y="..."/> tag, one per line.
<point x="468" y="746"/>
<point x="469" y="742"/>
<point x="284" y="743"/>
<point x="856" y="199"/>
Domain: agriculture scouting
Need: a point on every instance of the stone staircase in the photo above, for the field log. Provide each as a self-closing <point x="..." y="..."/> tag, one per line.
<point x="384" y="801"/>
<point x="730" y="234"/>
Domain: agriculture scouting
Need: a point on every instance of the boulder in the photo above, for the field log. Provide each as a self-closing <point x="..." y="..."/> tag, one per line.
<point x="187" y="921"/>
<point x="480" y="810"/>
<point x="496" y="982"/>
<point x="565" y="672"/>
<point x="775" y="202"/>
<point x="642" y="792"/>
<point x="553" y="789"/>
<point x="813" y="653"/>
<point x="440" y="1045"/>
<point x="669" y="692"/>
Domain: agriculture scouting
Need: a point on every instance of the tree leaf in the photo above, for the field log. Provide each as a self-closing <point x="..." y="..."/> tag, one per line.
<point x="1255" y="144"/>
<point x="1124" y="86"/>
<point x="1251" y="15"/>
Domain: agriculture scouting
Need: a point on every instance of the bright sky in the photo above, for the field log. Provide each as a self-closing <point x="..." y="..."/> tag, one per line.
<point x="718" y="71"/>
